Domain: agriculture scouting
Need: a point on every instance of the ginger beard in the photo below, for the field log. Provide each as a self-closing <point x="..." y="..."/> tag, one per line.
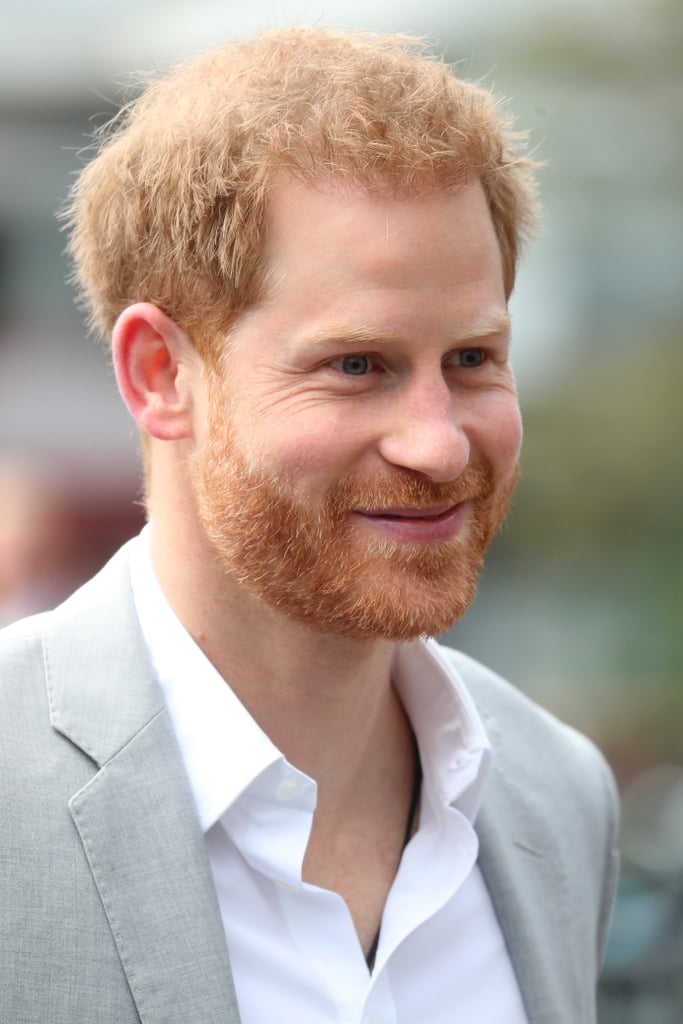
<point x="314" y="564"/>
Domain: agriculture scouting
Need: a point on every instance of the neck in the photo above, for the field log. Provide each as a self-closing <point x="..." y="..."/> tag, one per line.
<point x="325" y="701"/>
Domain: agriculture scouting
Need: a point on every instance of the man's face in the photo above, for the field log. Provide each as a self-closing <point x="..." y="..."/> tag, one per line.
<point x="363" y="435"/>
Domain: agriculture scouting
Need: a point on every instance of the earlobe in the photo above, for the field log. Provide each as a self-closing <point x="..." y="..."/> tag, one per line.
<point x="153" y="360"/>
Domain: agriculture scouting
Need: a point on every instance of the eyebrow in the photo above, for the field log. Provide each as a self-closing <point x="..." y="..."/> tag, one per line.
<point x="359" y="335"/>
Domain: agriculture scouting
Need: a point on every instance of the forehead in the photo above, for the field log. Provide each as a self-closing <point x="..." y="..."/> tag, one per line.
<point x="358" y="267"/>
<point x="334" y="234"/>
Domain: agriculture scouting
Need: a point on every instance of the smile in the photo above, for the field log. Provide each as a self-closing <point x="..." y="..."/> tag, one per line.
<point x="416" y="525"/>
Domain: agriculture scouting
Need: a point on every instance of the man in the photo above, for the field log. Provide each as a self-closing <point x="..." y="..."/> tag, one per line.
<point x="238" y="783"/>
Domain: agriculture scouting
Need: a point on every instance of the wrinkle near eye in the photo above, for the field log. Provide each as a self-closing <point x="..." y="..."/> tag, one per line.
<point x="291" y="395"/>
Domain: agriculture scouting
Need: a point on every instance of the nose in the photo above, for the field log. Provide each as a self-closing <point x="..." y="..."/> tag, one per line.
<point x="423" y="433"/>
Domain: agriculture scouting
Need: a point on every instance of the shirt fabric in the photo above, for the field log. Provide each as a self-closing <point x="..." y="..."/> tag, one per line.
<point x="294" y="952"/>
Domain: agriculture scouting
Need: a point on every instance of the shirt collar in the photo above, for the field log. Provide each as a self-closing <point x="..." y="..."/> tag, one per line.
<point x="223" y="748"/>
<point x="454" y="748"/>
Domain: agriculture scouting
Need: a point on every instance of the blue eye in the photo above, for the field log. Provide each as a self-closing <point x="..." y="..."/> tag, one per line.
<point x="355" y="366"/>
<point x="471" y="358"/>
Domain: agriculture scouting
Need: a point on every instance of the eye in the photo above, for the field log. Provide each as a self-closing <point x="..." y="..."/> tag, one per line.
<point x="470" y="358"/>
<point x="354" y="366"/>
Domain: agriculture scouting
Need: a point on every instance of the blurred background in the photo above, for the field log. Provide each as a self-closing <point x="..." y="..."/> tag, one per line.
<point x="581" y="600"/>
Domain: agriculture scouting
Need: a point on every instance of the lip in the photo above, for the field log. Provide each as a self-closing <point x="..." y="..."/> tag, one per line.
<point x="416" y="525"/>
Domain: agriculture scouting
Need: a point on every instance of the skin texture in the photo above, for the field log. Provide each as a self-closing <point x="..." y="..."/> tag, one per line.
<point x="363" y="435"/>
<point x="331" y="485"/>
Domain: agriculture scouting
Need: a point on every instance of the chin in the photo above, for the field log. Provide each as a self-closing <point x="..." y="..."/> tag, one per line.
<point x="388" y="608"/>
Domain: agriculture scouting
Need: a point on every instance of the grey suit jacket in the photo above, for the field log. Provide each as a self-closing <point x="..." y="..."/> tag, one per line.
<point x="107" y="907"/>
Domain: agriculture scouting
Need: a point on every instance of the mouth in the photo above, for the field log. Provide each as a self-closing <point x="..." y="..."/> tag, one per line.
<point x="416" y="525"/>
<point x="433" y="514"/>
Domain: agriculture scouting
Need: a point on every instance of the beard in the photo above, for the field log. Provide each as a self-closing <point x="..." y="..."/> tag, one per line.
<point x="314" y="564"/>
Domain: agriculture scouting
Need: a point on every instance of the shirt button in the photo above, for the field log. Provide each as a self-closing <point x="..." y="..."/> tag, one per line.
<point x="287" y="789"/>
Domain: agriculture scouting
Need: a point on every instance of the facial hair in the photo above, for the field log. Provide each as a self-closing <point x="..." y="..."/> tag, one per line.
<point x="314" y="564"/>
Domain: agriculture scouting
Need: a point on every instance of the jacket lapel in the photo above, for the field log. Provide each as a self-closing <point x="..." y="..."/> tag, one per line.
<point x="523" y="865"/>
<point x="136" y="816"/>
<point x="137" y="822"/>
<point x="524" y="897"/>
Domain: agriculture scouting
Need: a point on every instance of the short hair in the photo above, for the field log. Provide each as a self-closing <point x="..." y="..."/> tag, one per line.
<point x="172" y="208"/>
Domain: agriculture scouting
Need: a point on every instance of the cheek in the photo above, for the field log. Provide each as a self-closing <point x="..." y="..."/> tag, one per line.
<point x="501" y="436"/>
<point x="320" y="449"/>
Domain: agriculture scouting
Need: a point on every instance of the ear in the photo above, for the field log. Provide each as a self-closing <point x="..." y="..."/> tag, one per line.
<point x="156" y="368"/>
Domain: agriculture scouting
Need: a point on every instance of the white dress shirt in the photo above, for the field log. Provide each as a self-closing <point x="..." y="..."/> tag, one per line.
<point x="294" y="952"/>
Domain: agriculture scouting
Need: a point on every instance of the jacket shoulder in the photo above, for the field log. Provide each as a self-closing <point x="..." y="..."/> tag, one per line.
<point x="22" y="665"/>
<point x="530" y="733"/>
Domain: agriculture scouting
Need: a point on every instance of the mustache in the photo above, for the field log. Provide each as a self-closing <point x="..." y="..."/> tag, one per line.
<point x="401" y="488"/>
